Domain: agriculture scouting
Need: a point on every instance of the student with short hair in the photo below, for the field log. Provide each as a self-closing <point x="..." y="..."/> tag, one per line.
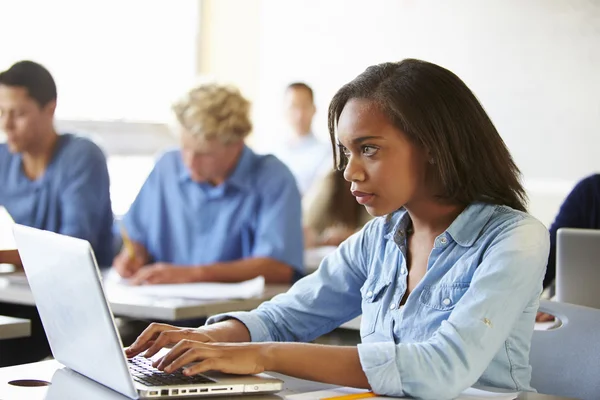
<point x="580" y="209"/>
<point x="447" y="275"/>
<point x="51" y="181"/>
<point x="308" y="158"/>
<point x="213" y="210"/>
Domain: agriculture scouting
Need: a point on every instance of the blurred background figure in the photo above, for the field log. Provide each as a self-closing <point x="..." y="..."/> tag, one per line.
<point x="51" y="181"/>
<point x="580" y="209"/>
<point x="307" y="157"/>
<point x="213" y="210"/>
<point x="331" y="212"/>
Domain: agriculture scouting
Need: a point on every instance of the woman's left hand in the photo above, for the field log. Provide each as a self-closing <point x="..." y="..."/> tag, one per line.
<point x="231" y="358"/>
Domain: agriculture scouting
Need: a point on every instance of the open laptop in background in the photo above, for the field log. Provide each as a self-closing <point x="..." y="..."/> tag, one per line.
<point x="578" y="266"/>
<point x="67" y="288"/>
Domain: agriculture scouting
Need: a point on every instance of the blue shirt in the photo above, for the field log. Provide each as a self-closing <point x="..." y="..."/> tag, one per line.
<point x="581" y="209"/>
<point x="469" y="320"/>
<point x="72" y="197"/>
<point x="254" y="213"/>
<point x="308" y="158"/>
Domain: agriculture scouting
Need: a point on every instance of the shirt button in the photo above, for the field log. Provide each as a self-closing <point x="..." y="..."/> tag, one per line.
<point x="447" y="302"/>
<point x="403" y="271"/>
<point x="392" y="306"/>
<point x="443" y="240"/>
<point x="369" y="293"/>
<point x="401" y="233"/>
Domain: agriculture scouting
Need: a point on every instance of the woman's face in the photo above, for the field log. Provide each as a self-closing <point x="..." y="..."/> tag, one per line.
<point x="386" y="169"/>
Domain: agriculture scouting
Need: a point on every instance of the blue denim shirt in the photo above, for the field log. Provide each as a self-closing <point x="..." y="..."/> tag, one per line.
<point x="470" y="319"/>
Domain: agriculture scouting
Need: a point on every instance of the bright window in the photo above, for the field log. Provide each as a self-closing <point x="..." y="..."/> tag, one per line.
<point x="118" y="65"/>
<point x="112" y="59"/>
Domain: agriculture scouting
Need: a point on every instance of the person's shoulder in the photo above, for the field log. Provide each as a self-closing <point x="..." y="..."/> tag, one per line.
<point x="168" y="158"/>
<point x="270" y="167"/>
<point x="518" y="222"/>
<point x="80" y="147"/>
<point x="589" y="182"/>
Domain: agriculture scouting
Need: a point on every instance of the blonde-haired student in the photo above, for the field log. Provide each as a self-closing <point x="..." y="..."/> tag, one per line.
<point x="213" y="210"/>
<point x="447" y="277"/>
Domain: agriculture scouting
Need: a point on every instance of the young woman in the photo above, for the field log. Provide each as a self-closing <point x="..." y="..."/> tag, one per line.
<point x="447" y="279"/>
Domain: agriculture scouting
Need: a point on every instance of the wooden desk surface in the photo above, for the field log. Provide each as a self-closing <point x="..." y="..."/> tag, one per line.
<point x="11" y="328"/>
<point x="144" y="307"/>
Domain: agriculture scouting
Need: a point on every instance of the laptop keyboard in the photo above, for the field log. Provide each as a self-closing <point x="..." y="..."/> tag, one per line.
<point x="143" y="372"/>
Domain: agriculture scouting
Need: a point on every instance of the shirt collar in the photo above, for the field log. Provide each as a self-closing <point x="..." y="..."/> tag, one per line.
<point x="464" y="230"/>
<point x="241" y="172"/>
<point x="467" y="227"/>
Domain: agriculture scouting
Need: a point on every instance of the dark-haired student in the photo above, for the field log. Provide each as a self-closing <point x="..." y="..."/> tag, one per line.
<point x="447" y="276"/>
<point x="50" y="181"/>
<point x="305" y="155"/>
<point x="580" y="209"/>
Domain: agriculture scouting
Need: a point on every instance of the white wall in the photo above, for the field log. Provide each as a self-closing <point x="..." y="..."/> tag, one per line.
<point x="535" y="66"/>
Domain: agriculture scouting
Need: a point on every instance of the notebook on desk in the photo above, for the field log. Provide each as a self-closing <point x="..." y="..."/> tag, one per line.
<point x="578" y="266"/>
<point x="67" y="287"/>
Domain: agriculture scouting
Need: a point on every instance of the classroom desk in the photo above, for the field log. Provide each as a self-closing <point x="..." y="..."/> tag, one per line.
<point x="354" y="325"/>
<point x="12" y="328"/>
<point x="146" y="307"/>
<point x="73" y="386"/>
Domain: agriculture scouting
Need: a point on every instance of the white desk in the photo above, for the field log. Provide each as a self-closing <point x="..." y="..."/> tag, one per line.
<point x="12" y="328"/>
<point x="354" y="325"/>
<point x="142" y="307"/>
<point x="314" y="256"/>
<point x="77" y="387"/>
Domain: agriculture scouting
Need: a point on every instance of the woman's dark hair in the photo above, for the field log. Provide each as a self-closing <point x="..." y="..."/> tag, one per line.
<point x="436" y="110"/>
<point x="32" y="76"/>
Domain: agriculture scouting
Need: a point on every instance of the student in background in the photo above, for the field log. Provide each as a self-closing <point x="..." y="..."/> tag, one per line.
<point x="331" y="212"/>
<point x="213" y="210"/>
<point x="447" y="281"/>
<point x="581" y="209"/>
<point x="307" y="157"/>
<point x="51" y="181"/>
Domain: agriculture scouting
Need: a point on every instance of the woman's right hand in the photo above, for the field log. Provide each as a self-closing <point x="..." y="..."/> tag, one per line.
<point x="157" y="336"/>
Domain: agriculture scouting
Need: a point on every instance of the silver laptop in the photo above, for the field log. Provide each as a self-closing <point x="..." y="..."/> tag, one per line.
<point x="578" y="266"/>
<point x="69" y="385"/>
<point x="67" y="288"/>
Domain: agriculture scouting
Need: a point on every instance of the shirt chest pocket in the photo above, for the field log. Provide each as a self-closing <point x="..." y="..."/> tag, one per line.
<point x="373" y="294"/>
<point x="443" y="297"/>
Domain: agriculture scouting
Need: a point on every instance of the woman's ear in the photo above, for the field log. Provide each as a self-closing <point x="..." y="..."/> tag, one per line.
<point x="429" y="157"/>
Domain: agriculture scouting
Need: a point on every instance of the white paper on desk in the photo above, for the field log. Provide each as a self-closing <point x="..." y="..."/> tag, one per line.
<point x="479" y="394"/>
<point x="469" y="394"/>
<point x="7" y="239"/>
<point x="314" y="256"/>
<point x="198" y="291"/>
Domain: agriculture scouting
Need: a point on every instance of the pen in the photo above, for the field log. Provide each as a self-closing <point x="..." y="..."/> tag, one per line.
<point x="354" y="396"/>
<point x="127" y="243"/>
